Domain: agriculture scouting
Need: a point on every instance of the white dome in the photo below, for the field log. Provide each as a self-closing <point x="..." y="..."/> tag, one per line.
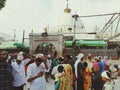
<point x="66" y="23"/>
<point x="66" y="19"/>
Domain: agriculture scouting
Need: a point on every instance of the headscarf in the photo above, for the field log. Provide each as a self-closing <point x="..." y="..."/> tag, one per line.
<point x="79" y="57"/>
<point x="68" y="69"/>
<point x="60" y="60"/>
<point x="95" y="65"/>
<point x="106" y="60"/>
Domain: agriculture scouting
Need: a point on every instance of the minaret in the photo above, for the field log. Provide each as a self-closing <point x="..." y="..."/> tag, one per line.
<point x="14" y="34"/>
<point x="67" y="10"/>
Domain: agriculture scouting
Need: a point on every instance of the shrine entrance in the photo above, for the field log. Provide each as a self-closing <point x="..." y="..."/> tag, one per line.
<point x="46" y="44"/>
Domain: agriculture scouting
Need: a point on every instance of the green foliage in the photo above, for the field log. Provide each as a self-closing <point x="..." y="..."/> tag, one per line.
<point x="2" y="4"/>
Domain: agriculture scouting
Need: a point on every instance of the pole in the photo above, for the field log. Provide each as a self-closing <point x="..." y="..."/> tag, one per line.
<point x="23" y="36"/>
<point x="14" y="34"/>
<point x="75" y="16"/>
<point x="74" y="30"/>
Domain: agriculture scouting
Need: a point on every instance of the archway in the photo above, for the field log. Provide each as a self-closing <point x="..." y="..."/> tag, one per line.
<point x="56" y="40"/>
<point x="45" y="48"/>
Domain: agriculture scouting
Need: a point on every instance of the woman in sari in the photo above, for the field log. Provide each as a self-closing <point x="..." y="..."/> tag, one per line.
<point x="68" y="76"/>
<point x="87" y="76"/>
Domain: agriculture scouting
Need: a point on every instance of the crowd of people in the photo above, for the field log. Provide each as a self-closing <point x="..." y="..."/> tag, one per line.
<point x="69" y="73"/>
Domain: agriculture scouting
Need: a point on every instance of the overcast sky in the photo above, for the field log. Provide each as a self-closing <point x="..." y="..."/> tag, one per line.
<point x="37" y="14"/>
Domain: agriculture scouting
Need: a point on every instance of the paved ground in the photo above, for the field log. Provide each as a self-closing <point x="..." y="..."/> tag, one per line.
<point x="50" y="85"/>
<point x="113" y="62"/>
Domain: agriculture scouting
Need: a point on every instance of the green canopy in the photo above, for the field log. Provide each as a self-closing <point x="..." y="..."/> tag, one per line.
<point x="12" y="45"/>
<point x="68" y="43"/>
<point x="19" y="45"/>
<point x="86" y="43"/>
<point x="91" y="43"/>
<point x="8" y="45"/>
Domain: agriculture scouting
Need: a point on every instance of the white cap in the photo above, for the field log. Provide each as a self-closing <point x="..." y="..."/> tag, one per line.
<point x="39" y="55"/>
<point x="104" y="74"/>
<point x="100" y="57"/>
<point x="49" y="55"/>
<point x="97" y="58"/>
<point x="20" y="57"/>
<point x="21" y="52"/>
<point x="89" y="54"/>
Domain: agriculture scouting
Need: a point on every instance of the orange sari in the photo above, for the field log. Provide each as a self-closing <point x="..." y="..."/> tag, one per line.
<point x="68" y="76"/>
<point x="87" y="78"/>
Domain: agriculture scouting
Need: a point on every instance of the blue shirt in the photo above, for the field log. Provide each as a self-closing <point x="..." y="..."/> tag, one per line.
<point x="101" y="66"/>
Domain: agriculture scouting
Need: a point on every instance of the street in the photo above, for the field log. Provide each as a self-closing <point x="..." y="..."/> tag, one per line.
<point x="50" y="85"/>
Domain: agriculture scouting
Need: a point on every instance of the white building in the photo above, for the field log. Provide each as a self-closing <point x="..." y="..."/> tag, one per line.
<point x="70" y="25"/>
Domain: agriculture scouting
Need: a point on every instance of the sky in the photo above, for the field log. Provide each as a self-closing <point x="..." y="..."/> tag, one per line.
<point x="19" y="15"/>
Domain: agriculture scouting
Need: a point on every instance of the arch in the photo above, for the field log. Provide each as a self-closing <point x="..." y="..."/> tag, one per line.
<point x="54" y="39"/>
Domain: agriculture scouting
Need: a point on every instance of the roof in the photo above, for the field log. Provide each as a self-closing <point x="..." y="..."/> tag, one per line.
<point x="12" y="45"/>
<point x="86" y="43"/>
<point x="9" y="44"/>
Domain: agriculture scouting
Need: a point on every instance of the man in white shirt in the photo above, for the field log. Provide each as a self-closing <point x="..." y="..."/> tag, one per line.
<point x="35" y="73"/>
<point x="18" y="71"/>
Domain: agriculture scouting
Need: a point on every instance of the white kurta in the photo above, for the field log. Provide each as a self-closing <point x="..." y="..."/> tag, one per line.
<point x="117" y="84"/>
<point x="108" y="86"/>
<point x="18" y="72"/>
<point x="38" y="83"/>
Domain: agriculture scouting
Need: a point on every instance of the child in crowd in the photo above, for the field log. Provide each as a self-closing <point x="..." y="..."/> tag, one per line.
<point x="106" y="77"/>
<point x="58" y="76"/>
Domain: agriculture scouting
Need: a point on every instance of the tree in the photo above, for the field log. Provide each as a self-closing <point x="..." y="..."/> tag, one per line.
<point x="2" y="4"/>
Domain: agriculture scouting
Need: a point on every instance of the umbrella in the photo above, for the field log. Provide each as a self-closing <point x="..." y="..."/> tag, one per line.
<point x="19" y="45"/>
